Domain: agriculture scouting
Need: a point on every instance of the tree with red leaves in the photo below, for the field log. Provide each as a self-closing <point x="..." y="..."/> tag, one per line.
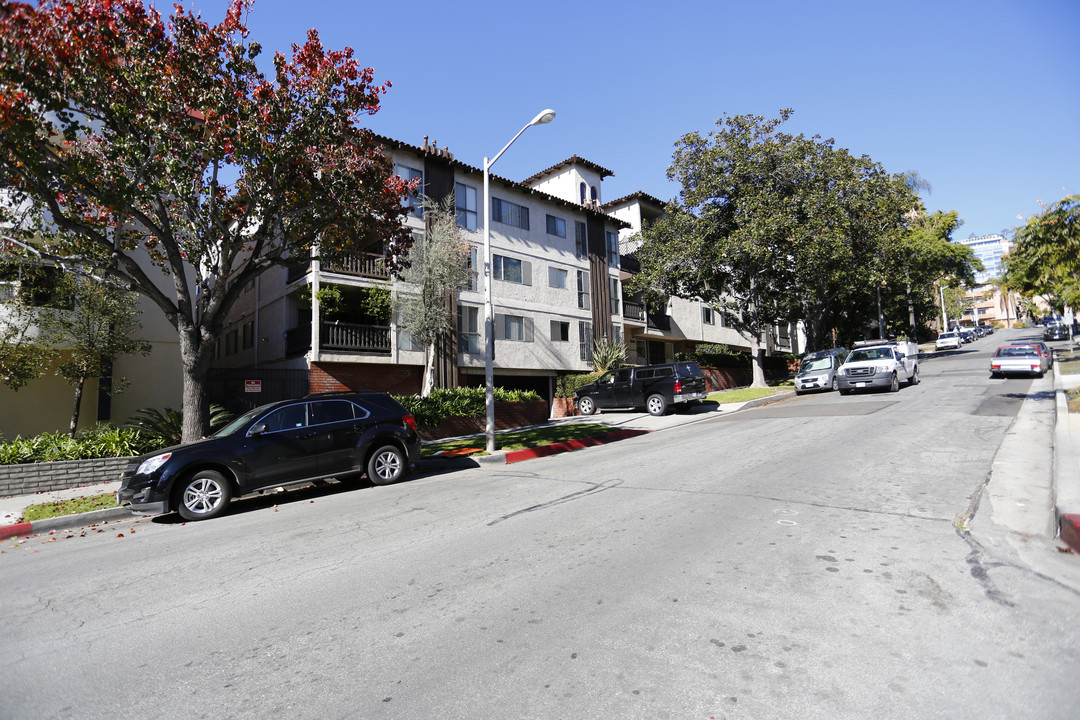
<point x="142" y="142"/>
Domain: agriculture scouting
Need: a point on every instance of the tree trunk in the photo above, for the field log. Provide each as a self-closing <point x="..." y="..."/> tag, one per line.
<point x="758" y="364"/>
<point x="429" y="370"/>
<point x="195" y="358"/>
<point x="78" y="404"/>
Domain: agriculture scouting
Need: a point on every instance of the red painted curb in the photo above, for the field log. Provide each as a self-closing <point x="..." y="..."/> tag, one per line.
<point x="7" y="531"/>
<point x="1070" y="531"/>
<point x="568" y="445"/>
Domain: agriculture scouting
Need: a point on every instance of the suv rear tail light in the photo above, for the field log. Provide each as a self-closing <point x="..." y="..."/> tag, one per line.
<point x="678" y="388"/>
<point x="409" y="420"/>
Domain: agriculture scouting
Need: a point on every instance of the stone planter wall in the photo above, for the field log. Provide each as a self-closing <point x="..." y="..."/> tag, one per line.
<point x="508" y="415"/>
<point x="61" y="475"/>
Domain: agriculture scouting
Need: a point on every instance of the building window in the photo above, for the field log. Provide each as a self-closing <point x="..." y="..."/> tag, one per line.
<point x="581" y="243"/>
<point x="593" y="195"/>
<point x="557" y="277"/>
<point x="465" y="203"/>
<point x="556" y="226"/>
<point x="583" y="191"/>
<point x="614" y="284"/>
<point x="412" y="202"/>
<point x="474" y="273"/>
<point x="469" y="329"/>
<point x="613" y="249"/>
<point x="230" y="342"/>
<point x="583" y="298"/>
<point x="510" y="269"/>
<point x="509" y="213"/>
<point x="560" y="331"/>
<point x="585" y="342"/>
<point x="513" y="327"/>
<point x="708" y="316"/>
<point x="249" y="335"/>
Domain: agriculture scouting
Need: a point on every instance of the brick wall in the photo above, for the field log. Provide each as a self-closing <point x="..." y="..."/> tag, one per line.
<point x="40" y="477"/>
<point x="394" y="379"/>
<point x="508" y="415"/>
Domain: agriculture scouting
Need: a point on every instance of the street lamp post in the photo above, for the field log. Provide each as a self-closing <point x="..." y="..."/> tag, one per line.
<point x="489" y="313"/>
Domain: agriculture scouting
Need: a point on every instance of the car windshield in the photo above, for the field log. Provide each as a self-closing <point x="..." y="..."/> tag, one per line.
<point x="1018" y="352"/>
<point x="811" y="364"/>
<point x="946" y="335"/>
<point x="870" y="354"/>
<point x="239" y="422"/>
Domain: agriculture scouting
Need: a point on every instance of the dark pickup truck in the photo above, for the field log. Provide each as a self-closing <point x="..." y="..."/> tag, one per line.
<point x="653" y="387"/>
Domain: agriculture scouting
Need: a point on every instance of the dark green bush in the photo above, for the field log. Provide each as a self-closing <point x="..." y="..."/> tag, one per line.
<point x="566" y="385"/>
<point x="101" y="441"/>
<point x="457" y="402"/>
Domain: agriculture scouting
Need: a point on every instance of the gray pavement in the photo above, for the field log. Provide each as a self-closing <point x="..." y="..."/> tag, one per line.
<point x="1040" y="501"/>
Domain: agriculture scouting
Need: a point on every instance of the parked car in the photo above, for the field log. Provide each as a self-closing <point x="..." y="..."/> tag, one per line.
<point x="948" y="341"/>
<point x="276" y="445"/>
<point x="1046" y="351"/>
<point x="1056" y="331"/>
<point x="817" y="370"/>
<point x="882" y="364"/>
<point x="968" y="335"/>
<point x="987" y="329"/>
<point x="1018" y="359"/>
<point x="656" y="388"/>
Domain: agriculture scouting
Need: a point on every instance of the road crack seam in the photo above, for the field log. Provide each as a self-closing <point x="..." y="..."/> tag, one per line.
<point x="593" y="489"/>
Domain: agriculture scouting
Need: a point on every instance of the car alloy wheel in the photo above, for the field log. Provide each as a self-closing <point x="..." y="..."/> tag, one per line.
<point x="586" y="406"/>
<point x="386" y="465"/>
<point x="204" y="495"/>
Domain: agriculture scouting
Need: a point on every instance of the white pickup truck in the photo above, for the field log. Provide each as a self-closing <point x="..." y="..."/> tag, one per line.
<point x="879" y="364"/>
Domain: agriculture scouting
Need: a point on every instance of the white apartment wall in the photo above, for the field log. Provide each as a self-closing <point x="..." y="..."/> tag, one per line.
<point x="566" y="184"/>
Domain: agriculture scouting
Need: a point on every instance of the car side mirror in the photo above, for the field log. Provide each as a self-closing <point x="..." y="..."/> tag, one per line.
<point x="258" y="429"/>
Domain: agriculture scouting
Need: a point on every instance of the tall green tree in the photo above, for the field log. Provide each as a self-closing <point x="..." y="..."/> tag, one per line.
<point x="438" y="267"/>
<point x="770" y="226"/>
<point x="159" y="158"/>
<point x="1045" y="259"/>
<point x="99" y="325"/>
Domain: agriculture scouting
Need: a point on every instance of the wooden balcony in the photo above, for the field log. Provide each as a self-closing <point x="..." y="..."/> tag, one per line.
<point x="340" y="337"/>
<point x="366" y="265"/>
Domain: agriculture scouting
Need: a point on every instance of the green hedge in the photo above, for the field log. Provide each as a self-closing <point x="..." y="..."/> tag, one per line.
<point x="457" y="402"/>
<point x="721" y="356"/>
<point x="566" y="385"/>
<point x="102" y="441"/>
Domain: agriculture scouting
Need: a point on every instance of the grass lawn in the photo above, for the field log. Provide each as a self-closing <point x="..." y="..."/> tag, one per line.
<point x="69" y="507"/>
<point x="1067" y="366"/>
<point x="521" y="439"/>
<point x="746" y="394"/>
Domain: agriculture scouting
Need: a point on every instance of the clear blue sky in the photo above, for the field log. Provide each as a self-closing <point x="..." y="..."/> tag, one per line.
<point x="982" y="99"/>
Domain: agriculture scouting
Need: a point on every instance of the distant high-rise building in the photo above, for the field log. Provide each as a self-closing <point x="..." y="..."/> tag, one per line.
<point x="989" y="249"/>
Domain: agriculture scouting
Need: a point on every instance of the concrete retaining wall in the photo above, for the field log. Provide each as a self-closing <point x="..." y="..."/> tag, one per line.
<point x="41" y="477"/>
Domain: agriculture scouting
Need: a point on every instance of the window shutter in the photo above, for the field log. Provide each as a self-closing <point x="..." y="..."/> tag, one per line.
<point x="528" y="329"/>
<point x="526" y="272"/>
<point x="500" y="326"/>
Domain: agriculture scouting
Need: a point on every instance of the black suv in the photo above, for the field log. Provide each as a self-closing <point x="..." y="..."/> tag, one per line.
<point x="284" y="443"/>
<point x="655" y="388"/>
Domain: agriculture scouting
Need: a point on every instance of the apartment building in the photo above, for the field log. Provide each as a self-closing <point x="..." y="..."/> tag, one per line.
<point x="560" y="259"/>
<point x="555" y="286"/>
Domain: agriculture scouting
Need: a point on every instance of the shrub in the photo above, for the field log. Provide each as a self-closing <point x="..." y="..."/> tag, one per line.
<point x="101" y="441"/>
<point x="457" y="402"/>
<point x="566" y="385"/>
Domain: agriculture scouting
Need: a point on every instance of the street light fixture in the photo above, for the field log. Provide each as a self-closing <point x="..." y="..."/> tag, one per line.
<point x="541" y="118"/>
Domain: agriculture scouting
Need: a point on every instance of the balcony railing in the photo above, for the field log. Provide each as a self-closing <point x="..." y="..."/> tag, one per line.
<point x="340" y="337"/>
<point x="362" y="265"/>
<point x="633" y="311"/>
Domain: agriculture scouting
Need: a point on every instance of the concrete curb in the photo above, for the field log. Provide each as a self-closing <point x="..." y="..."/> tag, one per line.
<point x="1066" y="468"/>
<point x="64" y="522"/>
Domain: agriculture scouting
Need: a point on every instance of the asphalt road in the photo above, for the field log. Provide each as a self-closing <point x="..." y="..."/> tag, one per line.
<point x="825" y="557"/>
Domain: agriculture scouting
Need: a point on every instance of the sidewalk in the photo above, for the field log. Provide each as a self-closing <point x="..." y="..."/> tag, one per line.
<point x="623" y="425"/>
<point x="1066" y="463"/>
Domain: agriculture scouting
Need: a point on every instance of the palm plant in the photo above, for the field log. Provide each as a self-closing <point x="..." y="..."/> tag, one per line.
<point x="166" y="425"/>
<point x="608" y="354"/>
